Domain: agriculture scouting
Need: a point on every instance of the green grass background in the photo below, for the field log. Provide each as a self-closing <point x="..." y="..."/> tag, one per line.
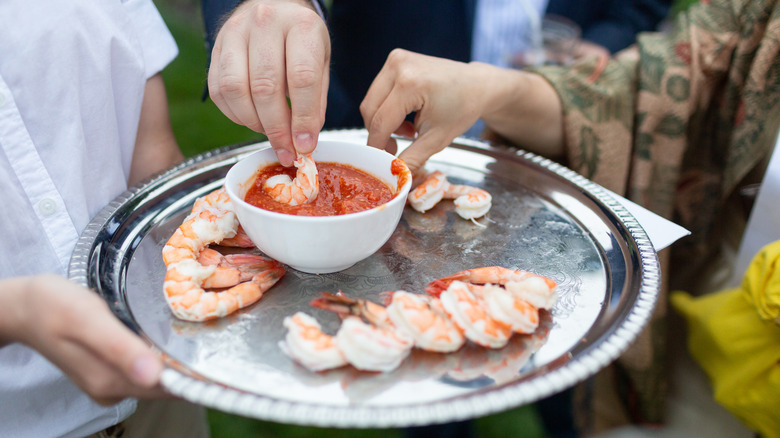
<point x="199" y="126"/>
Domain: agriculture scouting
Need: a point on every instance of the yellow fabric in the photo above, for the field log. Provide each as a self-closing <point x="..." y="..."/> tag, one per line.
<point x="734" y="337"/>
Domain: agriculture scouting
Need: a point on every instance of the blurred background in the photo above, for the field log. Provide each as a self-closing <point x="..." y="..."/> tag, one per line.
<point x="199" y="126"/>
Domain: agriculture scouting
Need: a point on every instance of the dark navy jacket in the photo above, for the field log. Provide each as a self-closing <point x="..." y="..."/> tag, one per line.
<point x="364" y="32"/>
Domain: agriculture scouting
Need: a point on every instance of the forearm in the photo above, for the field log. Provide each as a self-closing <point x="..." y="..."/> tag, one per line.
<point x="524" y="109"/>
<point x="155" y="146"/>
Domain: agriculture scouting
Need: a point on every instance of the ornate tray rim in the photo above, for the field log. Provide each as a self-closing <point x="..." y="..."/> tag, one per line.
<point x="182" y="383"/>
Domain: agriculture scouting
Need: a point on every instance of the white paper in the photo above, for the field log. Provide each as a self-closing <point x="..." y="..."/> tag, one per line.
<point x="660" y="231"/>
<point x="763" y="226"/>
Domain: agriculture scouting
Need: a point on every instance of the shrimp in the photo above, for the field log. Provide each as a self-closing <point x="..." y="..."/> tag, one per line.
<point x="425" y="320"/>
<point x="367" y="337"/>
<point x="190" y="267"/>
<point x="494" y="275"/>
<point x="470" y="202"/>
<point x="219" y="199"/>
<point x="426" y="195"/>
<point x="234" y="268"/>
<point x="508" y="308"/>
<point x="536" y="290"/>
<point x="303" y="189"/>
<point x="469" y="313"/>
<point x="308" y="345"/>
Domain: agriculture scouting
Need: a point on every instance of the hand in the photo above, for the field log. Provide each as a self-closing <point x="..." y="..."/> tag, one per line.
<point x="266" y="51"/>
<point x="74" y="328"/>
<point x="447" y="95"/>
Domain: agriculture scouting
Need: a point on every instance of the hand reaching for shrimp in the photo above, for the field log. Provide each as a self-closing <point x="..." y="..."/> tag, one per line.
<point x="444" y="93"/>
<point x="74" y="328"/>
<point x="449" y="97"/>
<point x="265" y="52"/>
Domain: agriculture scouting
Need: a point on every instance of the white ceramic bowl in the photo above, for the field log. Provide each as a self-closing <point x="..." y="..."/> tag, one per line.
<point x="320" y="244"/>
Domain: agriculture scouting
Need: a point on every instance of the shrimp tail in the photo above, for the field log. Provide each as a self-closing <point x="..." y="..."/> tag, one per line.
<point x="336" y="303"/>
<point x="436" y="287"/>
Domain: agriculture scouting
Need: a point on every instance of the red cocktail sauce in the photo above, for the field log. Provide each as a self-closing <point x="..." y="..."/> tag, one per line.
<point x="343" y="189"/>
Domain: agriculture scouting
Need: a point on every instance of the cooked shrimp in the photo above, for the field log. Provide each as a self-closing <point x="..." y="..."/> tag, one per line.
<point x="490" y="274"/>
<point x="234" y="268"/>
<point x="188" y="299"/>
<point x="367" y="337"/>
<point x="536" y="290"/>
<point x="426" y="195"/>
<point x="302" y="189"/>
<point x="248" y="277"/>
<point x="508" y="308"/>
<point x="197" y="232"/>
<point x="470" y="202"/>
<point x="240" y="240"/>
<point x="425" y="320"/>
<point x="308" y="345"/>
<point x="469" y="313"/>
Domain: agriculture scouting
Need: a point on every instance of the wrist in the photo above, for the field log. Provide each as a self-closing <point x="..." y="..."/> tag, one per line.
<point x="315" y="5"/>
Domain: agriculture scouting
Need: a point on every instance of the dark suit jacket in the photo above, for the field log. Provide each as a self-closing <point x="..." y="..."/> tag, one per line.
<point x="612" y="23"/>
<point x="364" y="32"/>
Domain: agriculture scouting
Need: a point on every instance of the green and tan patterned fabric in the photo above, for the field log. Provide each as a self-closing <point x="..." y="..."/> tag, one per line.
<point x="680" y="123"/>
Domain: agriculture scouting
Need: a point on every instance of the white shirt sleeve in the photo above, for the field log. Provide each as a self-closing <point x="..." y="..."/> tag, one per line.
<point x="159" y="47"/>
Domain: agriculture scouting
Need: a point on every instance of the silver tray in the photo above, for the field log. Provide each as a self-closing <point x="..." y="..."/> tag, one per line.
<point x="545" y="218"/>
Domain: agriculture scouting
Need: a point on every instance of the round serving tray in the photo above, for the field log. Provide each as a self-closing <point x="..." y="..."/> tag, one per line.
<point x="545" y="219"/>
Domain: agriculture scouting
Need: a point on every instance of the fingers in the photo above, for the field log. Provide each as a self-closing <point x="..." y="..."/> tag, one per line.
<point x="264" y="53"/>
<point x="79" y="334"/>
<point x="268" y="86"/>
<point x="228" y="78"/>
<point x="308" y="55"/>
<point x="381" y="117"/>
<point x="423" y="147"/>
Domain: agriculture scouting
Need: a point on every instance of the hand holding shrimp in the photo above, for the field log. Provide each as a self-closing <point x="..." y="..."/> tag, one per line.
<point x="446" y="95"/>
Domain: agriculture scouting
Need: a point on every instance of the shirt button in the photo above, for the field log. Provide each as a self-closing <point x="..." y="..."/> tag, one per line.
<point x="47" y="207"/>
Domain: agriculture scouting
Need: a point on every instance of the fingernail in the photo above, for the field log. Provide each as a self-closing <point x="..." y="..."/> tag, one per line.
<point x="304" y="143"/>
<point x="146" y="371"/>
<point x="285" y="157"/>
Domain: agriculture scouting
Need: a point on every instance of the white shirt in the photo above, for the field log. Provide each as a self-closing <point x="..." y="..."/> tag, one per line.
<point x="72" y="75"/>
<point x="505" y="27"/>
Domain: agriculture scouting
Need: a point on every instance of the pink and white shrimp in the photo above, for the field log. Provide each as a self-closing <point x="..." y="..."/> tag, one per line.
<point x="471" y="316"/>
<point x="508" y="308"/>
<point x="426" y="195"/>
<point x="308" y="345"/>
<point x="189" y="270"/>
<point x="367" y="338"/>
<point x="537" y="290"/>
<point x="470" y="202"/>
<point x="425" y="320"/>
<point x="495" y="275"/>
<point x="302" y="189"/>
